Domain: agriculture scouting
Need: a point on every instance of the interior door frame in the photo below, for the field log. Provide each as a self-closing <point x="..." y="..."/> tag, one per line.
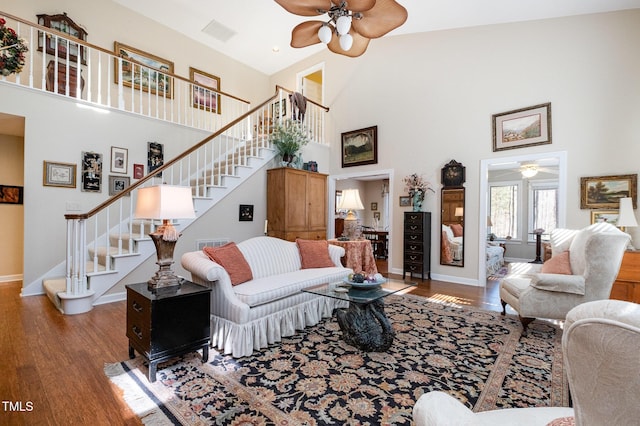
<point x="484" y="197"/>
<point x="383" y="174"/>
<point x="303" y="74"/>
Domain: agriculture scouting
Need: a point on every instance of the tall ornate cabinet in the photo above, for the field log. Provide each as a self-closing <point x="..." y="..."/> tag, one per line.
<point x="296" y="204"/>
<point x="417" y="244"/>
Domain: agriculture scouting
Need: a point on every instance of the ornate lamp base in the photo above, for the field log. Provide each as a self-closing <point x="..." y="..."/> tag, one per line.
<point x="164" y="277"/>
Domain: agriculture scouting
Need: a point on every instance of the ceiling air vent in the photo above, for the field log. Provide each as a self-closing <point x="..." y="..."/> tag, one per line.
<point x="218" y="31"/>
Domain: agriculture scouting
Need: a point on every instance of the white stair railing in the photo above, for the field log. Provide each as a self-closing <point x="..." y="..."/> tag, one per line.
<point x="101" y="78"/>
<point x="203" y="167"/>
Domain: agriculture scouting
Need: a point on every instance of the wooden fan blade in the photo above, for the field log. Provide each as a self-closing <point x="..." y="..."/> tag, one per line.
<point x="305" y="7"/>
<point x="359" y="46"/>
<point x="385" y="16"/>
<point x="358" y="5"/>
<point x="306" y="34"/>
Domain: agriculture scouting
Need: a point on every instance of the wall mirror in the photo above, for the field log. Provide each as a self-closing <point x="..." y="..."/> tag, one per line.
<point x="452" y="215"/>
<point x="452" y="235"/>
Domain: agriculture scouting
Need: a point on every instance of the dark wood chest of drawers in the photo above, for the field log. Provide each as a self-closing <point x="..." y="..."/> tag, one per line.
<point x="417" y="244"/>
<point x="168" y="322"/>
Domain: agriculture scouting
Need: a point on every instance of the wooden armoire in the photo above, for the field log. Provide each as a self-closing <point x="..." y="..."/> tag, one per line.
<point x="296" y="204"/>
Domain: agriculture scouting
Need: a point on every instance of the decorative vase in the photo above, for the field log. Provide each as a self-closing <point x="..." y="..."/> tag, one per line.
<point x="418" y="198"/>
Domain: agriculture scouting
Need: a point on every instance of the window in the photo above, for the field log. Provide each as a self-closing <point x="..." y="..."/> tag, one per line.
<point x="544" y="206"/>
<point x="503" y="208"/>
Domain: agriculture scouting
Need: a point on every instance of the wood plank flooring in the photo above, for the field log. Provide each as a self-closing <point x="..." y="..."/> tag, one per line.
<point x="55" y="363"/>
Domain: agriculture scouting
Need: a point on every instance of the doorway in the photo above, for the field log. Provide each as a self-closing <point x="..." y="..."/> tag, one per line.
<point x="310" y="83"/>
<point x="384" y="182"/>
<point x="560" y="158"/>
<point x="12" y="174"/>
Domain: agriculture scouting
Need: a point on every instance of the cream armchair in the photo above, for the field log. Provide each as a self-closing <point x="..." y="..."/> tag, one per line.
<point x="601" y="347"/>
<point x="595" y="254"/>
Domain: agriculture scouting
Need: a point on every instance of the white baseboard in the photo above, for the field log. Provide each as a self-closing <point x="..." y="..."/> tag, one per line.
<point x="10" y="278"/>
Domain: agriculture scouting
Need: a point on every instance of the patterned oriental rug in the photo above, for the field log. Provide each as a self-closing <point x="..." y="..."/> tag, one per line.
<point x="314" y="378"/>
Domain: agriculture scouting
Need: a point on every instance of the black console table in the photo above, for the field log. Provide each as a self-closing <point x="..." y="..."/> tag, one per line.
<point x="168" y="322"/>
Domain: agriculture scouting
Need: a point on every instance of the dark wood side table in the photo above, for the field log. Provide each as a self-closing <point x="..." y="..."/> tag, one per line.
<point x="168" y="322"/>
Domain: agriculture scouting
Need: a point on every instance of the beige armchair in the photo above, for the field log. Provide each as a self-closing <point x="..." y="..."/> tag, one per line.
<point x="601" y="347"/>
<point x="595" y="254"/>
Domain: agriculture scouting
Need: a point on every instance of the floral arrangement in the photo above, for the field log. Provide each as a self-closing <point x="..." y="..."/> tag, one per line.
<point x="416" y="184"/>
<point x="289" y="138"/>
<point x="12" y="50"/>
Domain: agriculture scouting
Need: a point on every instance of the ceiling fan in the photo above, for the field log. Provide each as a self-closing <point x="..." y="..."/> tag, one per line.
<point x="350" y="26"/>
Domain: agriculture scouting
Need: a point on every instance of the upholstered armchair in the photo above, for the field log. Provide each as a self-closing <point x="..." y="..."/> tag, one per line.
<point x="583" y="267"/>
<point x="601" y="347"/>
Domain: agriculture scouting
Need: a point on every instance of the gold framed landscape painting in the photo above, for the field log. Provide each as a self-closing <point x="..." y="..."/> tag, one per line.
<point x="360" y="147"/>
<point x="522" y="127"/>
<point x="604" y="192"/>
<point x="205" y="94"/>
<point x="602" y="216"/>
<point x="147" y="73"/>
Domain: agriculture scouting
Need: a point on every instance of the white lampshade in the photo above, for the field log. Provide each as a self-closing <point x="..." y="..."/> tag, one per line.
<point x="459" y="211"/>
<point x="343" y="25"/>
<point x="351" y="200"/>
<point x="325" y="33"/>
<point x="164" y="202"/>
<point x="346" y="41"/>
<point x="626" y="217"/>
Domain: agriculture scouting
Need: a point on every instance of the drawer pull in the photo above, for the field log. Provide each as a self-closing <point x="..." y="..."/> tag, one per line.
<point x="137" y="331"/>
<point x="413" y="248"/>
<point x="413" y="237"/>
<point x="413" y="257"/>
<point x="413" y="227"/>
<point x="136" y="306"/>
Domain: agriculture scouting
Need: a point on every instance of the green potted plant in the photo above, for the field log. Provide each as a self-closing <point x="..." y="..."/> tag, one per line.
<point x="288" y="138"/>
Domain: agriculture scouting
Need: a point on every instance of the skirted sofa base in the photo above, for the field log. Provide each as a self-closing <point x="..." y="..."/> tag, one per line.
<point x="259" y="312"/>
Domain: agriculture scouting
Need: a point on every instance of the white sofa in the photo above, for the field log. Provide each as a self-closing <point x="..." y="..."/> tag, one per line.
<point x="259" y="312"/>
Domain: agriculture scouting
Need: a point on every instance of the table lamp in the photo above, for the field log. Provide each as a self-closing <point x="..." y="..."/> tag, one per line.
<point x="626" y="217"/>
<point x="164" y="202"/>
<point x="351" y="201"/>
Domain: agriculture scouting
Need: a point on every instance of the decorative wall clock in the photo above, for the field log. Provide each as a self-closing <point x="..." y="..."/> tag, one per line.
<point x="453" y="174"/>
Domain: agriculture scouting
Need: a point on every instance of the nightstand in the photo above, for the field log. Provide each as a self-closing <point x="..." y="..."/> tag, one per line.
<point x="168" y="322"/>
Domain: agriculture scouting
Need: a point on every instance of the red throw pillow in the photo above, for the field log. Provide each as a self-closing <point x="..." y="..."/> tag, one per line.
<point x="457" y="229"/>
<point x="558" y="264"/>
<point x="314" y="253"/>
<point x="232" y="260"/>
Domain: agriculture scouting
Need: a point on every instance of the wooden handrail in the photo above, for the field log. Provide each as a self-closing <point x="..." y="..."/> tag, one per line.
<point x="308" y="100"/>
<point x="165" y="166"/>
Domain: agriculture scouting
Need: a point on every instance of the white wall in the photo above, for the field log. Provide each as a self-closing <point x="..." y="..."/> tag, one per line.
<point x="432" y="96"/>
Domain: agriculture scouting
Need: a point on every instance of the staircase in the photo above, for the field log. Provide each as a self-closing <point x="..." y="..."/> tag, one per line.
<point x="106" y="244"/>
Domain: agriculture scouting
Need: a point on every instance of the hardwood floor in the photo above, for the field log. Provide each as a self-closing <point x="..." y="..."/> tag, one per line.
<point x="54" y="363"/>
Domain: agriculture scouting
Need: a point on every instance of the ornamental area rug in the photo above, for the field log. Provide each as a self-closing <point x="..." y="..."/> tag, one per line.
<point x="314" y="378"/>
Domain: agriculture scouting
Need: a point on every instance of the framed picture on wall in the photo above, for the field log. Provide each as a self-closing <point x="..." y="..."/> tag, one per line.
<point x="522" y="127"/>
<point x="11" y="194"/>
<point x="155" y="157"/>
<point x="117" y="184"/>
<point x="405" y="201"/>
<point x="148" y="73"/>
<point x="138" y="171"/>
<point x="91" y="172"/>
<point x="59" y="174"/>
<point x="205" y="94"/>
<point x="604" y="192"/>
<point x="246" y="213"/>
<point x="608" y="216"/>
<point x="360" y="147"/>
<point x="119" y="159"/>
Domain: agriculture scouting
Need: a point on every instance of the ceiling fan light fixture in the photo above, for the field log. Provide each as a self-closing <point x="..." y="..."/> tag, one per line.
<point x="529" y="170"/>
<point x="325" y="34"/>
<point x="343" y="24"/>
<point x="346" y="41"/>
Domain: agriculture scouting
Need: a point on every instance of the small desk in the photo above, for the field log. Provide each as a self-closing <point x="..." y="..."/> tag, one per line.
<point x="358" y="255"/>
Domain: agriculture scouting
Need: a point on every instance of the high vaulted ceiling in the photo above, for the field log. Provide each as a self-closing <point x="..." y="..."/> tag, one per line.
<point x="255" y="27"/>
